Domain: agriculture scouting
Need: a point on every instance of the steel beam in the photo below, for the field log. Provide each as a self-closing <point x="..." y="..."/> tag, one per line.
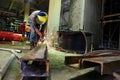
<point x="104" y="65"/>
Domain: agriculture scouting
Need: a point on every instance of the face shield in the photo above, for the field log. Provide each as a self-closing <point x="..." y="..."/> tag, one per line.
<point x="42" y="19"/>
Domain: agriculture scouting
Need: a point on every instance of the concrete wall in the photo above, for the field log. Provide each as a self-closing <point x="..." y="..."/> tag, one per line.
<point x="53" y="19"/>
<point x="64" y="17"/>
<point x="85" y="15"/>
<point x="76" y="14"/>
<point x="92" y="15"/>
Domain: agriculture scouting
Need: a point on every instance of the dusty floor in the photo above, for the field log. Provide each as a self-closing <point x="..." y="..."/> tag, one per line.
<point x="58" y="70"/>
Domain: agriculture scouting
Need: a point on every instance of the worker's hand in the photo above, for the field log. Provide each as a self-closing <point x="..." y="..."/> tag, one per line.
<point x="42" y="39"/>
<point x="38" y="32"/>
<point x="41" y="36"/>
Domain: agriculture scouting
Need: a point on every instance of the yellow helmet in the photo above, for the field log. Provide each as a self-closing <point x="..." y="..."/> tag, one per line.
<point x="42" y="17"/>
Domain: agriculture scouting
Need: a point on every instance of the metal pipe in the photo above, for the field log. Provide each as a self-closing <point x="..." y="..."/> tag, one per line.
<point x="13" y="52"/>
<point x="8" y="49"/>
<point x="110" y="21"/>
<point x="112" y="15"/>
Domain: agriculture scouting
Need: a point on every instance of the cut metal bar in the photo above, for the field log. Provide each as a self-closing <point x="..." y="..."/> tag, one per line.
<point x="35" y="63"/>
<point x="98" y="53"/>
<point x="109" y="21"/>
<point x="107" y="65"/>
<point x="117" y="14"/>
<point x="77" y="59"/>
<point x="39" y="52"/>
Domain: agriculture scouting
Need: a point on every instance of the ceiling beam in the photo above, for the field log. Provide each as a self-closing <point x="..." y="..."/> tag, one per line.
<point x="13" y="1"/>
<point x="6" y="12"/>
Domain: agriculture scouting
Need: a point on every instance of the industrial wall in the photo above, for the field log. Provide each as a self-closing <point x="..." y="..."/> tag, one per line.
<point x="84" y="15"/>
<point x="91" y="23"/>
<point x="76" y="14"/>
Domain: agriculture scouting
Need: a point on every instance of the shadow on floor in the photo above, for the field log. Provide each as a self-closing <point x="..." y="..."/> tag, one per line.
<point x="93" y="76"/>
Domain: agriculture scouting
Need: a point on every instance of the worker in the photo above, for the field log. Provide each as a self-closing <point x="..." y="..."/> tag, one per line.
<point x="36" y="20"/>
<point x="8" y="24"/>
<point x="27" y="29"/>
<point x="22" y="28"/>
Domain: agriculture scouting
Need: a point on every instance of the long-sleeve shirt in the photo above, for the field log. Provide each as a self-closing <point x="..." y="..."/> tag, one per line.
<point x="32" y="16"/>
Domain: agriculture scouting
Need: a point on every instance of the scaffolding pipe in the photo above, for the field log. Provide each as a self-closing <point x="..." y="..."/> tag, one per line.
<point x="112" y="15"/>
<point x="102" y="11"/>
<point x="15" y="52"/>
<point x="110" y="21"/>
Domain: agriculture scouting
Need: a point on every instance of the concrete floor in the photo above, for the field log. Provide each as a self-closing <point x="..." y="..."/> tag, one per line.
<point x="58" y="70"/>
<point x="5" y="59"/>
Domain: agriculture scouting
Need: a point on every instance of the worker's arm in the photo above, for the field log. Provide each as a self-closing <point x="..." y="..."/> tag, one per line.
<point x="38" y="32"/>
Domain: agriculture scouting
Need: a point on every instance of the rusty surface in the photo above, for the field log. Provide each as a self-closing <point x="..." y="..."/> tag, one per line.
<point x="94" y="54"/>
<point x="35" y="63"/>
<point x="34" y="69"/>
<point x="103" y="52"/>
<point x="104" y="65"/>
<point x="39" y="52"/>
<point x="104" y="61"/>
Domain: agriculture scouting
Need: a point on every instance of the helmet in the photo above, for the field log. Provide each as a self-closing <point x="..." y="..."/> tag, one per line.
<point x="42" y="17"/>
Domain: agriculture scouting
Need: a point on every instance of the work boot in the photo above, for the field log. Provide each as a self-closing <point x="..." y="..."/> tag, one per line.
<point x="31" y="45"/>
